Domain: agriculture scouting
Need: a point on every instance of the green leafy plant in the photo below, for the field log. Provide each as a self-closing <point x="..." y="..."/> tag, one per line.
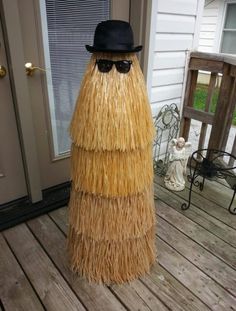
<point x="200" y="97"/>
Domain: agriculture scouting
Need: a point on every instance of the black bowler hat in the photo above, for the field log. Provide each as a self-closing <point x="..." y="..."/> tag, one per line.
<point x="113" y="36"/>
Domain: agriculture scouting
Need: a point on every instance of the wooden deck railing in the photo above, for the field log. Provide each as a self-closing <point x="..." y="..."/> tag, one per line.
<point x="218" y="65"/>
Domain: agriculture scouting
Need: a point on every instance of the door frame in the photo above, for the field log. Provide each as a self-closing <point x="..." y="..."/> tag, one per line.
<point x="21" y="98"/>
<point x="140" y="20"/>
<point x="41" y="201"/>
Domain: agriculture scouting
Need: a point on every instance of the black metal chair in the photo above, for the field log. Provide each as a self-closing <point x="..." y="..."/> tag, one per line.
<point x="211" y="164"/>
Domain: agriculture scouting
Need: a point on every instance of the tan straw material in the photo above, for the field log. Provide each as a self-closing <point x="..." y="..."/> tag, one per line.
<point x="119" y="218"/>
<point x="112" y="110"/>
<point x="111" y="173"/>
<point x="111" y="210"/>
<point x="111" y="262"/>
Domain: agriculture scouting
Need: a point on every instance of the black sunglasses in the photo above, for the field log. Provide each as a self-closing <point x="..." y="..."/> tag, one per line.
<point x="105" y="65"/>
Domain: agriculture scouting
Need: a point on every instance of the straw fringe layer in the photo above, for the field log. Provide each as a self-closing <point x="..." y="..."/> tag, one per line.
<point x="112" y="110"/>
<point x="110" y="261"/>
<point x="113" y="173"/>
<point x="117" y="219"/>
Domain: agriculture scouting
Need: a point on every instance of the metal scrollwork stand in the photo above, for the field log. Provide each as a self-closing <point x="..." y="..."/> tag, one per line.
<point x="211" y="164"/>
<point x="167" y="126"/>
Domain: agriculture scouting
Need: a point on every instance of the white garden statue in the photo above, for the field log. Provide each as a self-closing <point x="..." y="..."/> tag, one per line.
<point x="179" y="154"/>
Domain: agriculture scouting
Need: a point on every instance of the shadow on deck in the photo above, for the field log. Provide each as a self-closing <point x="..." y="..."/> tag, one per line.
<point x="196" y="267"/>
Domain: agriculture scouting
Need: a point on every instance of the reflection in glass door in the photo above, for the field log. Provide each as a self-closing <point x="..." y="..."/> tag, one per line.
<point x="66" y="27"/>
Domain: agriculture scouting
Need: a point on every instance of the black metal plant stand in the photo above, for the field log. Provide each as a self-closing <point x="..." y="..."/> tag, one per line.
<point x="211" y="164"/>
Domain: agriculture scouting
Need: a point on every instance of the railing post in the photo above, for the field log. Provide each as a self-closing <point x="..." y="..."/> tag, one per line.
<point x="188" y="101"/>
<point x="221" y="120"/>
<point x="223" y="114"/>
<point x="207" y="108"/>
<point x="230" y="113"/>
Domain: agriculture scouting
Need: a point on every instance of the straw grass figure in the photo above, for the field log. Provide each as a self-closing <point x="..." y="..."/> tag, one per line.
<point x="111" y="210"/>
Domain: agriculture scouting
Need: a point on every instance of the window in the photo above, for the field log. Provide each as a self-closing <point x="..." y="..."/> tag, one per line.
<point x="67" y="27"/>
<point x="228" y="43"/>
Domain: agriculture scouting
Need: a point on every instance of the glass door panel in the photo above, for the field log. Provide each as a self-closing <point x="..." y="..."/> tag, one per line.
<point x="66" y="27"/>
<point x="54" y="34"/>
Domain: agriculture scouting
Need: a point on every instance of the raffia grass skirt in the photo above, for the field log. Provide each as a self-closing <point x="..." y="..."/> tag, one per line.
<point x="111" y="261"/>
<point x="111" y="240"/>
<point x="111" y="173"/>
<point x="111" y="213"/>
<point x="112" y="110"/>
<point x="117" y="219"/>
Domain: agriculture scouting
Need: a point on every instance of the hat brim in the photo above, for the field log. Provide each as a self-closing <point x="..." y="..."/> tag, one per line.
<point x="93" y="49"/>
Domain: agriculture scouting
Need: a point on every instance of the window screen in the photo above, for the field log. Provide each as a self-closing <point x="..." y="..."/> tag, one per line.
<point x="67" y="26"/>
<point x="229" y="32"/>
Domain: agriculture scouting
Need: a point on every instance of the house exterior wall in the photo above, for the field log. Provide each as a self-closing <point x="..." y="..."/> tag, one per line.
<point x="175" y="25"/>
<point x="211" y="26"/>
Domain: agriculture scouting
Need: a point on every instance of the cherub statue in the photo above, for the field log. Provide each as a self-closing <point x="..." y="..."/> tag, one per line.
<point x="179" y="153"/>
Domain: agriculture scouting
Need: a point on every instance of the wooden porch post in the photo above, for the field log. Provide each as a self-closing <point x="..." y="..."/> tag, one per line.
<point x="188" y="101"/>
<point x="224" y="111"/>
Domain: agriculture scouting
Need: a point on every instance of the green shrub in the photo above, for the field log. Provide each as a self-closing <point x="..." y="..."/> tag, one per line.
<point x="200" y="97"/>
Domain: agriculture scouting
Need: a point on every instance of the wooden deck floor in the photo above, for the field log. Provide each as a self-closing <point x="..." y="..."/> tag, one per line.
<point x="196" y="268"/>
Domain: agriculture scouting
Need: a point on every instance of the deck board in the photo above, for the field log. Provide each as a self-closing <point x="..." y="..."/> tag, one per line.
<point x="51" y="287"/>
<point x="208" y="240"/>
<point x="16" y="292"/>
<point x="94" y="297"/>
<point x="199" y="283"/>
<point x="172" y="292"/>
<point x="196" y="268"/>
<point x="211" y="211"/>
<point x="61" y="216"/>
<point x="212" y="266"/>
<point x="218" y="192"/>
<point x="125" y="293"/>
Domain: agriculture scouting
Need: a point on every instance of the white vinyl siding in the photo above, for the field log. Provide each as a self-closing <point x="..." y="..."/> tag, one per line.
<point x="213" y="27"/>
<point x="180" y="7"/>
<point x="170" y="23"/>
<point x="165" y="92"/>
<point x="167" y="77"/>
<point x="176" y="23"/>
<point x="169" y="60"/>
<point x="210" y="30"/>
<point x="168" y="42"/>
